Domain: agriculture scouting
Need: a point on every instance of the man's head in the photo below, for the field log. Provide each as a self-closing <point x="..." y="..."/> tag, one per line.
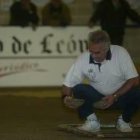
<point x="99" y="44"/>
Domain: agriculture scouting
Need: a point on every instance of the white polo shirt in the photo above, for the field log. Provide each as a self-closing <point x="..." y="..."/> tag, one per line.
<point x="107" y="77"/>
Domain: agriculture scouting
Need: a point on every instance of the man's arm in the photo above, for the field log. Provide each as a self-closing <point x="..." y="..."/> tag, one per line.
<point x="127" y="86"/>
<point x="96" y="16"/>
<point x="132" y="14"/>
<point x="66" y="91"/>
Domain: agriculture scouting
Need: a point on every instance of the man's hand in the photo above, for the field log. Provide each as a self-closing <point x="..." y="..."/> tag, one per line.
<point x="99" y="104"/>
<point x="109" y="100"/>
<point x="105" y="102"/>
<point x="73" y="103"/>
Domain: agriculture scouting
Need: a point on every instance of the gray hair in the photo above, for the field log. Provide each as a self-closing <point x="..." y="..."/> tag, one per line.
<point x="99" y="37"/>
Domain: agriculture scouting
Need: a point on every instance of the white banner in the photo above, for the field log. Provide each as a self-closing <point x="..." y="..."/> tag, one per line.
<point x="41" y="57"/>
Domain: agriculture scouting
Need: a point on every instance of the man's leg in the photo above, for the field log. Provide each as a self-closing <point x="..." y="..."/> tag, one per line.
<point x="86" y="111"/>
<point x="90" y="95"/>
<point x="129" y="103"/>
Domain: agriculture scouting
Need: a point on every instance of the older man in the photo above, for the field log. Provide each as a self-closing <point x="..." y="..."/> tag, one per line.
<point x="113" y="79"/>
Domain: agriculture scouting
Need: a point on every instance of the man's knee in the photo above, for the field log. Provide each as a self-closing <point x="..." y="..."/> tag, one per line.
<point x="79" y="89"/>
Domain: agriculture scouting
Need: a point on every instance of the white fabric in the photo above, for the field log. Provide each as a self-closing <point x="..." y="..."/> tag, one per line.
<point x="112" y="75"/>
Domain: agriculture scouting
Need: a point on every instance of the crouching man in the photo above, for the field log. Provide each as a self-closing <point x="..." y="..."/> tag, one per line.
<point x="113" y="80"/>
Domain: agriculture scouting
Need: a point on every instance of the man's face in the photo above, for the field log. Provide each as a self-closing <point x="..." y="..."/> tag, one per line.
<point x="97" y="52"/>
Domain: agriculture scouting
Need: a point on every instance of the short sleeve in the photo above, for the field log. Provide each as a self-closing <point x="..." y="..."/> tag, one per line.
<point x="75" y="74"/>
<point x="127" y="65"/>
